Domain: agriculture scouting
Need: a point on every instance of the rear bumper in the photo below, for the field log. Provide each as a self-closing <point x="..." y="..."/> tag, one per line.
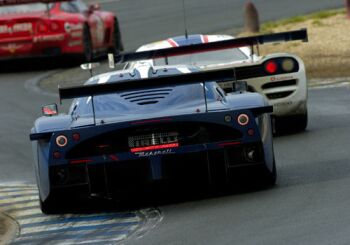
<point x="39" y="46"/>
<point x="287" y="94"/>
<point x="112" y="179"/>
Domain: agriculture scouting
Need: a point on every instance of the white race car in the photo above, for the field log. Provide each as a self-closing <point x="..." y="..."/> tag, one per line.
<point x="280" y="77"/>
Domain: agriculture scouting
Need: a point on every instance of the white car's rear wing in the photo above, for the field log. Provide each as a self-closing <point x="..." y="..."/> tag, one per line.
<point x="213" y="46"/>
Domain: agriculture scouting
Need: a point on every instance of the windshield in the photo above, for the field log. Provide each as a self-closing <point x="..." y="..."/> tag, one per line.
<point x="25" y="8"/>
<point x="207" y="58"/>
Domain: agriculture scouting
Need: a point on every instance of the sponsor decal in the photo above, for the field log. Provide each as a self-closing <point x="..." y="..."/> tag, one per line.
<point x="76" y="34"/>
<point x="275" y="79"/>
<point x="49" y="38"/>
<point x="153" y="139"/>
<point x="20" y="27"/>
<point x="154" y="153"/>
<point x="70" y="27"/>
<point x="75" y="43"/>
<point x="12" y="47"/>
<point x="153" y="144"/>
<point x="287" y="103"/>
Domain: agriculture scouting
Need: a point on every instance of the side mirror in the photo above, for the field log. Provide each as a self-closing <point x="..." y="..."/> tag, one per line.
<point x="49" y="110"/>
<point x="94" y="7"/>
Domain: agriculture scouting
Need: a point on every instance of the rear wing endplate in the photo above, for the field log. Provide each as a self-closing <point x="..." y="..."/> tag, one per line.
<point x="213" y="46"/>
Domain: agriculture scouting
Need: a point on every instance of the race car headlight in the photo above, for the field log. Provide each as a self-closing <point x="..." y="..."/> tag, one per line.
<point x="243" y="119"/>
<point x="288" y="65"/>
<point x="61" y="141"/>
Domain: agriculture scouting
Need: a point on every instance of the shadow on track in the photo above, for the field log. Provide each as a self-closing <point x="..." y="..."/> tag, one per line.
<point x="160" y="195"/>
<point x="36" y="64"/>
<point x="41" y="64"/>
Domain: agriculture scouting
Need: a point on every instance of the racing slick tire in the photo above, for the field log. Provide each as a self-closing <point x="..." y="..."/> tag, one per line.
<point x="117" y="38"/>
<point x="295" y="123"/>
<point x="253" y="177"/>
<point x="87" y="44"/>
<point x="300" y="122"/>
<point x="269" y="177"/>
<point x="50" y="205"/>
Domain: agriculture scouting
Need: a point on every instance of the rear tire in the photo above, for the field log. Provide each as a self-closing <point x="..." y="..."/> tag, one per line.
<point x="117" y="38"/>
<point x="301" y="122"/>
<point x="50" y="205"/>
<point x="269" y="177"/>
<point x="87" y="44"/>
<point x="296" y="123"/>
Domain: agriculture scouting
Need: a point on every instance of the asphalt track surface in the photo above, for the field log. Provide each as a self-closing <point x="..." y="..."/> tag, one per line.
<point x="310" y="203"/>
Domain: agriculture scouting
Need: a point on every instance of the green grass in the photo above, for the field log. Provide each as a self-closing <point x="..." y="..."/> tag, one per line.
<point x="316" y="17"/>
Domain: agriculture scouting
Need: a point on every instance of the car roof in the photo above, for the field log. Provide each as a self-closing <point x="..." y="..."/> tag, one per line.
<point x="140" y="72"/>
<point x="183" y="40"/>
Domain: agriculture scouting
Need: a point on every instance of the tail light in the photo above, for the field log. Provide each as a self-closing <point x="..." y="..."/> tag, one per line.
<point x="154" y="147"/>
<point x="80" y="161"/>
<point x="251" y="132"/>
<point x="61" y="141"/>
<point x="76" y="137"/>
<point x="42" y="27"/>
<point x="271" y="67"/>
<point x="243" y="119"/>
<point x="54" y="27"/>
<point x="280" y="66"/>
<point x="57" y="155"/>
<point x="288" y="65"/>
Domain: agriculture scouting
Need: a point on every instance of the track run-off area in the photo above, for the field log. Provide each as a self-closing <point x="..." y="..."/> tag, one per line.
<point x="20" y="202"/>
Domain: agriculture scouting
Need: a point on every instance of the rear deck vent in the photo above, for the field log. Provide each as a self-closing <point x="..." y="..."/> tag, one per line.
<point x="279" y="95"/>
<point x="285" y="83"/>
<point x="148" y="102"/>
<point x="146" y="97"/>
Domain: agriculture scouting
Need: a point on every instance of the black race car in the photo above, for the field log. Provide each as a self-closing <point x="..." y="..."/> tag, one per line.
<point x="128" y="129"/>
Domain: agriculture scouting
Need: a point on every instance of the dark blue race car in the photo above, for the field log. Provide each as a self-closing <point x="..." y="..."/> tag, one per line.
<point x="128" y="129"/>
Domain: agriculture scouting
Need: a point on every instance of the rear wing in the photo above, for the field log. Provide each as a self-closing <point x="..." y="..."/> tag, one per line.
<point x="219" y="75"/>
<point x="17" y="2"/>
<point x="251" y="41"/>
<point x="107" y="88"/>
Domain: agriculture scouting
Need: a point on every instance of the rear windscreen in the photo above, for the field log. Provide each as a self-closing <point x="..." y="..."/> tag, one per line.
<point x="25" y="8"/>
<point x="205" y="58"/>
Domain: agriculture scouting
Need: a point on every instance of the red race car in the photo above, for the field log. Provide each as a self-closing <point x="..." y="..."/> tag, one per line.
<point x="36" y="28"/>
